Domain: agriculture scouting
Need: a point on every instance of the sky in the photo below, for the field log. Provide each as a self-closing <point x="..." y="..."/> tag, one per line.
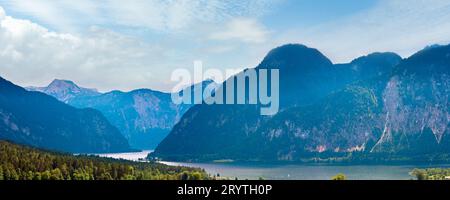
<point x="125" y="45"/>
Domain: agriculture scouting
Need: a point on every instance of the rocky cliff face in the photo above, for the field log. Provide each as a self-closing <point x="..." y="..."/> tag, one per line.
<point x="416" y="104"/>
<point x="326" y="108"/>
<point x="144" y="116"/>
<point x="404" y="112"/>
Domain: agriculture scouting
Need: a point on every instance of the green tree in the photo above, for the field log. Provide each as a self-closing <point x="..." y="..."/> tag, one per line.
<point x="25" y="163"/>
<point x="184" y="176"/>
<point x="46" y="175"/>
<point x="105" y="176"/>
<point x="196" y="176"/>
<point x="339" y="177"/>
<point x="1" y="173"/>
<point x="37" y="176"/>
<point x="419" y="174"/>
<point x="81" y="174"/>
<point x="56" y="174"/>
<point x="28" y="175"/>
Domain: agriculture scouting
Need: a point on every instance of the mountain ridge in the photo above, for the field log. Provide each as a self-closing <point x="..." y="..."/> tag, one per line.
<point x="144" y="116"/>
<point x="36" y="119"/>
<point x="64" y="90"/>
<point x="324" y="133"/>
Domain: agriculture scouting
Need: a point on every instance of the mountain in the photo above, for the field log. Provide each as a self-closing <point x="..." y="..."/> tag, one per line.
<point x="236" y="131"/>
<point x="143" y="116"/>
<point x="36" y="119"/>
<point x="403" y="113"/>
<point x="366" y="67"/>
<point x="416" y="104"/>
<point x="64" y="90"/>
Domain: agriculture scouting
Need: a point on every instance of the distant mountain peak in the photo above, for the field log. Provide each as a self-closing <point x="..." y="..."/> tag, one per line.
<point x="64" y="90"/>
<point x="36" y="119"/>
<point x="376" y="63"/>
<point x="59" y="81"/>
<point x="379" y="56"/>
<point x="431" y="60"/>
<point x="432" y="46"/>
<point x="295" y="56"/>
<point x="59" y="84"/>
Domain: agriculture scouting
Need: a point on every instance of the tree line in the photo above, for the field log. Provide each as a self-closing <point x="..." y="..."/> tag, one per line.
<point x="19" y="162"/>
<point x="432" y="174"/>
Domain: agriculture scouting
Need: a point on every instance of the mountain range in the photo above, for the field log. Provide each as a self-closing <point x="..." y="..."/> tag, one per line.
<point x="39" y="120"/>
<point x="64" y="90"/>
<point x="379" y="104"/>
<point x="143" y="116"/>
<point x="376" y="105"/>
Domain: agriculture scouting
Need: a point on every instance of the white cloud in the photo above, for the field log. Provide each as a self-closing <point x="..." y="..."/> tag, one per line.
<point x="87" y="41"/>
<point x="160" y="15"/>
<point x="61" y="15"/>
<point x="2" y="13"/>
<point x="400" y="26"/>
<point x="114" y="44"/>
<point x="32" y="55"/>
<point x="242" y="29"/>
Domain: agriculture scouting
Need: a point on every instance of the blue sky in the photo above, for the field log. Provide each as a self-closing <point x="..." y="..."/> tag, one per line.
<point x="111" y="44"/>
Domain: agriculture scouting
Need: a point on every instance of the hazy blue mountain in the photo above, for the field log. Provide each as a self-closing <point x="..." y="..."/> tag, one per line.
<point x="143" y="116"/>
<point x="405" y="112"/>
<point x="416" y="104"/>
<point x="36" y="119"/>
<point x="235" y="131"/>
<point x="64" y="90"/>
<point x="366" y="67"/>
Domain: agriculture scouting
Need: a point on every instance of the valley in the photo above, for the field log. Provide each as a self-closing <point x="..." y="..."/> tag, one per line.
<point x="379" y="113"/>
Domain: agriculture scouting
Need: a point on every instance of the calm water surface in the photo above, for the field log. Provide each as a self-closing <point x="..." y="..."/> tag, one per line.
<point x="133" y="156"/>
<point x="292" y="172"/>
<point x="304" y="171"/>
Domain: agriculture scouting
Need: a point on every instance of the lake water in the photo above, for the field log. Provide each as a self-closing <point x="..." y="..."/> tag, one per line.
<point x="303" y="171"/>
<point x="133" y="156"/>
<point x="290" y="172"/>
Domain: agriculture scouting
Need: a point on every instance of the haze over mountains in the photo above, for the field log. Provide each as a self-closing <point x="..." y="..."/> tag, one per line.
<point x="39" y="120"/>
<point x="377" y="104"/>
<point x="64" y="90"/>
<point x="143" y="116"/>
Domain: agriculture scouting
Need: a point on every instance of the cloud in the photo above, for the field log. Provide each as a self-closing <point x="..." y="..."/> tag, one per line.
<point x="2" y="13"/>
<point x="159" y="15"/>
<point x="32" y="55"/>
<point x="60" y="15"/>
<point x="242" y="29"/>
<point x="400" y="26"/>
<point x="115" y="45"/>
